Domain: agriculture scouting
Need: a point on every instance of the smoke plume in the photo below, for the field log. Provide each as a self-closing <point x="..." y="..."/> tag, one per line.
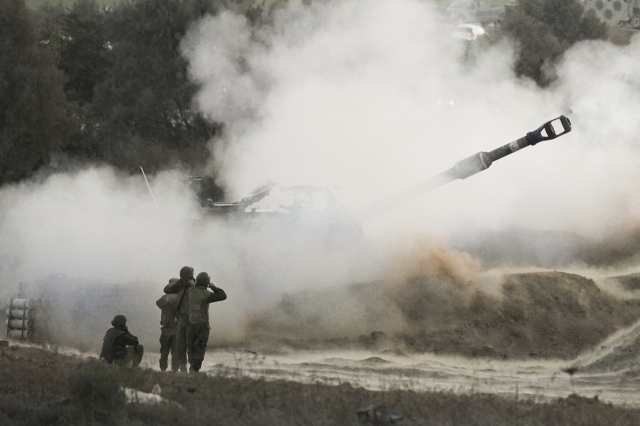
<point x="374" y="96"/>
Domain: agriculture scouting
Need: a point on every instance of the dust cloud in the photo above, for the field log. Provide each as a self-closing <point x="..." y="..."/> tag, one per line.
<point x="365" y="97"/>
<point x="68" y="235"/>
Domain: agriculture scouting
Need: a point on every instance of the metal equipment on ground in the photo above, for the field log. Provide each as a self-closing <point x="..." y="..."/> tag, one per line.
<point x="21" y="317"/>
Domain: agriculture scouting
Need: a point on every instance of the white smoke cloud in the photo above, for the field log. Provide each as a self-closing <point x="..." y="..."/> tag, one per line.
<point x="373" y="96"/>
<point x="96" y="227"/>
<point x="92" y="224"/>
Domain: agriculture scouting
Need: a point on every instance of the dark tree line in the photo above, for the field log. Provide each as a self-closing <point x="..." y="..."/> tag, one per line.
<point x="545" y="29"/>
<point x="34" y="114"/>
<point x="105" y="85"/>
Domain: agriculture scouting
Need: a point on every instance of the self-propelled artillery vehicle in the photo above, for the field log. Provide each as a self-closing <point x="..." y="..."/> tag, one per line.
<point x="315" y="201"/>
<point x="309" y="208"/>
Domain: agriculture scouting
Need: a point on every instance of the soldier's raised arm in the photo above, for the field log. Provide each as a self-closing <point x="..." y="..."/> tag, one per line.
<point x="218" y="294"/>
<point x="173" y="287"/>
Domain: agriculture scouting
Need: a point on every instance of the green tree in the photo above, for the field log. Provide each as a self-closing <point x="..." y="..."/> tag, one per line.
<point x="141" y="111"/>
<point x="46" y="21"/>
<point x="84" y="59"/>
<point x="33" y="118"/>
<point x="545" y="29"/>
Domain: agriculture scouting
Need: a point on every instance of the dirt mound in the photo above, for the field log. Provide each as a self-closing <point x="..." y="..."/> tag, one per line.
<point x="541" y="314"/>
<point x="630" y="282"/>
<point x="550" y="314"/>
<point x="624" y="357"/>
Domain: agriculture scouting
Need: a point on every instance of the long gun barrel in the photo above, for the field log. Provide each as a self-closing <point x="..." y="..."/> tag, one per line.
<point x="467" y="167"/>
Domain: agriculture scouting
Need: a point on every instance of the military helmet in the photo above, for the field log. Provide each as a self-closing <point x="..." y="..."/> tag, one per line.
<point x="119" y="320"/>
<point x="203" y="279"/>
<point x="186" y="272"/>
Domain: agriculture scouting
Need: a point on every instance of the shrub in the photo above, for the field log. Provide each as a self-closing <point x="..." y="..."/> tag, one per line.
<point x="96" y="392"/>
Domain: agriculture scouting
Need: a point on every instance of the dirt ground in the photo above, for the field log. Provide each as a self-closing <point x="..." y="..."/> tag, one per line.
<point x="541" y="315"/>
<point x="42" y="387"/>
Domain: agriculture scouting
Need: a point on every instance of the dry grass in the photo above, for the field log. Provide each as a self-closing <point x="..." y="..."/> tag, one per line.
<point x="43" y="388"/>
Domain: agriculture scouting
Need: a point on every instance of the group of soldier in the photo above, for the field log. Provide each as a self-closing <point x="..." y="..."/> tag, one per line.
<point x="184" y="321"/>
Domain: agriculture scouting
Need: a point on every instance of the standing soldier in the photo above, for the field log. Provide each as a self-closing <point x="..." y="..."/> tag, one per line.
<point x="198" y="333"/>
<point x="168" y="303"/>
<point x="180" y="288"/>
<point x="114" y="346"/>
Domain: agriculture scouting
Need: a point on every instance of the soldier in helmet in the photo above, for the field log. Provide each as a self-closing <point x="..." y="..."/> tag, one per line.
<point x="168" y="303"/>
<point x="120" y="347"/>
<point x="199" y="298"/>
<point x="180" y="287"/>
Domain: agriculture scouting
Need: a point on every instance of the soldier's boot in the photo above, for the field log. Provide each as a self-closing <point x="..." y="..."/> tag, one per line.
<point x="165" y="349"/>
<point x="193" y="370"/>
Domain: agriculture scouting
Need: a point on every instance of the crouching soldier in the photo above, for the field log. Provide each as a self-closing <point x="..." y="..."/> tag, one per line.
<point x="119" y="346"/>
<point x="169" y="304"/>
<point x="198" y="332"/>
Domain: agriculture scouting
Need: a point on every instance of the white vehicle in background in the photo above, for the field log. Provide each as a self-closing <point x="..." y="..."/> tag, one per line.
<point x="474" y="11"/>
<point x="624" y="13"/>
<point x="468" y="32"/>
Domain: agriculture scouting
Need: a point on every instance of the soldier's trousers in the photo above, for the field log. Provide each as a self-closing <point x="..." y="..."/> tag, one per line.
<point x="132" y="357"/>
<point x="197" y="338"/>
<point x="168" y="345"/>
<point x="181" y="341"/>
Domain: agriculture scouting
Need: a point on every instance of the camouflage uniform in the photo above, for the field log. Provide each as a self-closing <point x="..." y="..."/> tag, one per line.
<point x="115" y="342"/>
<point x="168" y="304"/>
<point x="198" y="332"/>
<point x="180" y="288"/>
